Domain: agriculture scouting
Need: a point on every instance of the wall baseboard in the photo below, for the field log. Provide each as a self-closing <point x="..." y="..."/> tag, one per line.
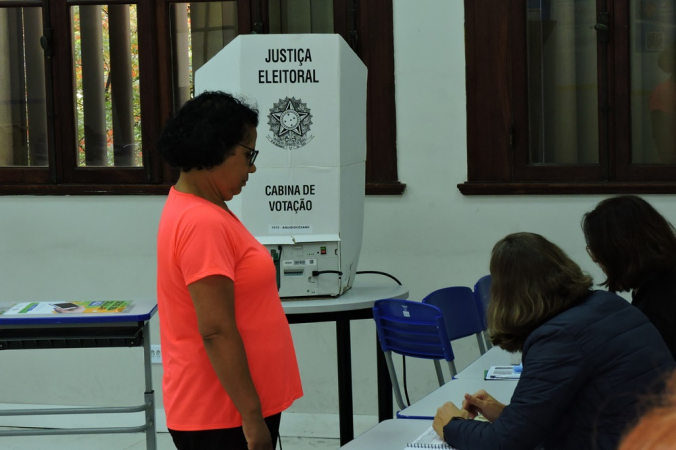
<point x="293" y="424"/>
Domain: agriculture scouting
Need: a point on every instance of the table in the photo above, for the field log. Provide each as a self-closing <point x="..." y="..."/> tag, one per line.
<point x="128" y="328"/>
<point x="392" y="434"/>
<point x="411" y="422"/>
<point x="469" y="380"/>
<point x="454" y="391"/>
<point x="493" y="357"/>
<point x="355" y="304"/>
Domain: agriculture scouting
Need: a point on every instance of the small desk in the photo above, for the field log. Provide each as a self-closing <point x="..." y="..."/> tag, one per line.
<point x="493" y="357"/>
<point x="355" y="304"/>
<point x="454" y="391"/>
<point x="128" y="328"/>
<point x="392" y="434"/>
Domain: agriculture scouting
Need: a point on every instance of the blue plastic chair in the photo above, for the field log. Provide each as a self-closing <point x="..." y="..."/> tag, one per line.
<point x="460" y="313"/>
<point x="412" y="329"/>
<point x="482" y="295"/>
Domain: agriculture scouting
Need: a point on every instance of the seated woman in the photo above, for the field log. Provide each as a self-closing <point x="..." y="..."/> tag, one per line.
<point x="588" y="357"/>
<point x="636" y="248"/>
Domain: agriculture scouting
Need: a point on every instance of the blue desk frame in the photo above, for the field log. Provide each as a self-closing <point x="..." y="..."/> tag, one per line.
<point x="100" y="330"/>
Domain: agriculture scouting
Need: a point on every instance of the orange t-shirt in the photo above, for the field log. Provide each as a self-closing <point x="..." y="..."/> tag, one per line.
<point x="197" y="239"/>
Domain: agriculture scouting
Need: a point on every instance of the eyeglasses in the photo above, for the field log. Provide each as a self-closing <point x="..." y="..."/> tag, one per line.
<point x="252" y="155"/>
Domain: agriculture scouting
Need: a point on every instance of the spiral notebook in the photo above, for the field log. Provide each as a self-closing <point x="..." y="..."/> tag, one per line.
<point x="429" y="439"/>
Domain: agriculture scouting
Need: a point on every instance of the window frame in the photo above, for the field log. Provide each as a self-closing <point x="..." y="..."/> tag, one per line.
<point x="34" y="175"/>
<point x="69" y="171"/>
<point x="372" y="40"/>
<point x="497" y="162"/>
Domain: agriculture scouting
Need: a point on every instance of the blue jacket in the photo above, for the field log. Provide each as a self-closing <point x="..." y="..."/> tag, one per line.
<point x="584" y="373"/>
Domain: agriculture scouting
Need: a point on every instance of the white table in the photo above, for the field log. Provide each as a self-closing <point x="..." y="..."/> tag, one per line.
<point x="391" y="434"/>
<point x="362" y="295"/>
<point x="454" y="391"/>
<point x="128" y="328"/>
<point x="355" y="304"/>
<point x="493" y="357"/>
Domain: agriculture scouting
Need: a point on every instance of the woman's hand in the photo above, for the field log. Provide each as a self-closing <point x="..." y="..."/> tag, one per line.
<point x="214" y="300"/>
<point x="482" y="402"/>
<point x="444" y="415"/>
<point x="257" y="434"/>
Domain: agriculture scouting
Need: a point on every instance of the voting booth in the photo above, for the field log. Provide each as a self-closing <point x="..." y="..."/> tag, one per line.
<point x="305" y="203"/>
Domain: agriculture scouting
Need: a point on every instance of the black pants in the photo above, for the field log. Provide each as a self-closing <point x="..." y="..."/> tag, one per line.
<point x="221" y="439"/>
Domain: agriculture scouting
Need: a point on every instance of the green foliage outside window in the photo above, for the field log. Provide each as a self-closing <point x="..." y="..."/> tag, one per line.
<point x="136" y="95"/>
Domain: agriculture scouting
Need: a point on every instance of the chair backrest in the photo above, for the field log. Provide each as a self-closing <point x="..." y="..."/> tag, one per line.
<point x="459" y="310"/>
<point x="482" y="294"/>
<point x="412" y="329"/>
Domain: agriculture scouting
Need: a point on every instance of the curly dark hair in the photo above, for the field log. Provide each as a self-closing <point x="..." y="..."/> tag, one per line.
<point x="630" y="240"/>
<point x="205" y="131"/>
<point x="533" y="281"/>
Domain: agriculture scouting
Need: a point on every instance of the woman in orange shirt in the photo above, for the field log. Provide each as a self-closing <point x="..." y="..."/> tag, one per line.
<point x="657" y="429"/>
<point x="229" y="364"/>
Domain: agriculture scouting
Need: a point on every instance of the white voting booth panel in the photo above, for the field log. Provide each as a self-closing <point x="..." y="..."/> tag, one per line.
<point x="305" y="202"/>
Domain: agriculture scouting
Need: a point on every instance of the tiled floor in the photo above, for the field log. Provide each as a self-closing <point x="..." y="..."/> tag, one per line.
<point x="134" y="442"/>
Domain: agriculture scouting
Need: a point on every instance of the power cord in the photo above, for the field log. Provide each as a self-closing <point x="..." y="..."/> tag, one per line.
<point x="338" y="272"/>
<point x="408" y="400"/>
<point x="276" y="259"/>
<point x="319" y="272"/>
<point x="380" y="273"/>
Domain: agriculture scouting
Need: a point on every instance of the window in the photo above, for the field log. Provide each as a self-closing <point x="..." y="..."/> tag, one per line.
<point x="579" y="96"/>
<point x="22" y="88"/>
<point x="86" y="86"/>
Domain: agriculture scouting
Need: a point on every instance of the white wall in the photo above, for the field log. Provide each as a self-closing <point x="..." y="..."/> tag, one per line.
<point x="76" y="248"/>
<point x="432" y="236"/>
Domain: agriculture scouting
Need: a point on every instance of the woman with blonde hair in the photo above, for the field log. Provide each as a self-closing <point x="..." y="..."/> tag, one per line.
<point x="588" y="356"/>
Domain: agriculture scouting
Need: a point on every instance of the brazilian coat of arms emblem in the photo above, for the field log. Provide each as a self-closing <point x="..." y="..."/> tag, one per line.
<point x="290" y="122"/>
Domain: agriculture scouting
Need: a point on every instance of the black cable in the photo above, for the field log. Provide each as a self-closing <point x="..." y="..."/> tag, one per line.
<point x="279" y="439"/>
<point x="380" y="273"/>
<point x="408" y="401"/>
<point x="277" y="261"/>
<point x="319" y="272"/>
